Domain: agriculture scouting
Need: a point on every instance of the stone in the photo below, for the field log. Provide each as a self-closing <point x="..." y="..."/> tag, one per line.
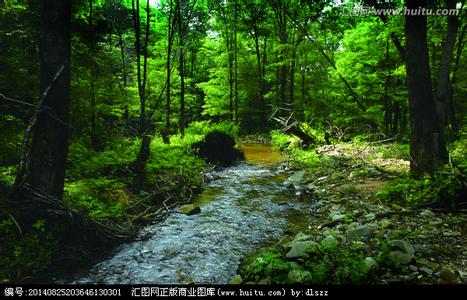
<point x="302" y="237"/>
<point x="370" y="264"/>
<point x="265" y="281"/>
<point x="311" y="187"/>
<point x="189" y="209"/>
<point x="403" y="246"/>
<point x="298" y="276"/>
<point x="399" y="258"/>
<point x="452" y="233"/>
<point x="302" y="249"/>
<point x="342" y="227"/>
<point x="295" y="180"/>
<point x="436" y="222"/>
<point x="385" y="223"/>
<point x="322" y="178"/>
<point x="359" y="233"/>
<point x="413" y="268"/>
<point x="335" y="215"/>
<point x="237" y="279"/>
<point x="359" y="245"/>
<point x="426" y="270"/>
<point x="447" y="276"/>
<point x="329" y="243"/>
<point x="427" y="213"/>
<point x="427" y="263"/>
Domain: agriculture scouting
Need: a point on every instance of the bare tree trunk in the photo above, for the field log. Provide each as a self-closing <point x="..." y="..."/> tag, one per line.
<point x="181" y="37"/>
<point x="427" y="145"/>
<point x="387" y="101"/>
<point x="454" y="126"/>
<point x="144" y="150"/>
<point x="443" y="84"/>
<point x="122" y="57"/>
<point x="45" y="147"/>
<point x="235" y="61"/>
<point x="92" y="49"/>
<point x="260" y="79"/>
<point x="280" y="10"/>
<point x="292" y="76"/>
<point x="170" y="38"/>
<point x="300" y="115"/>
<point x="230" y="63"/>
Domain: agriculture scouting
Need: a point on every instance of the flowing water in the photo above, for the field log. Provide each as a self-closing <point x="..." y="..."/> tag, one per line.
<point x="244" y="207"/>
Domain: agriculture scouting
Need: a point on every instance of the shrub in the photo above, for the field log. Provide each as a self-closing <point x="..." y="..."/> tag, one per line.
<point x="444" y="188"/>
<point x="26" y="253"/>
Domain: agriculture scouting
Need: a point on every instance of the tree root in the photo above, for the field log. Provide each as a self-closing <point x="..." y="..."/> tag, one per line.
<point x="28" y="205"/>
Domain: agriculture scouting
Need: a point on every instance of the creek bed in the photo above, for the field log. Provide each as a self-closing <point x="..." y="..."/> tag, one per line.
<point x="246" y="206"/>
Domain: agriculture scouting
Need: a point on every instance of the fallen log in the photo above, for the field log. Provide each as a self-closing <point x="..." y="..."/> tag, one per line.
<point x="293" y="127"/>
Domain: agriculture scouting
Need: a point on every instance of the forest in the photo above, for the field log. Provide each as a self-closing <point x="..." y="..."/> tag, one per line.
<point x="233" y="142"/>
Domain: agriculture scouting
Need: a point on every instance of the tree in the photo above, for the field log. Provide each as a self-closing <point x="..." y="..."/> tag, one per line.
<point x="223" y="12"/>
<point x="427" y="145"/>
<point x="280" y="9"/>
<point x="235" y="46"/>
<point x="171" y="18"/>
<point x="181" y="37"/>
<point x="443" y="81"/>
<point x="254" y="14"/>
<point x="45" y="148"/>
<point x="144" y="150"/>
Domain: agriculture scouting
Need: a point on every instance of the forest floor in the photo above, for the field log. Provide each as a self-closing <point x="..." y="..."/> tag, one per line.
<point x="357" y="235"/>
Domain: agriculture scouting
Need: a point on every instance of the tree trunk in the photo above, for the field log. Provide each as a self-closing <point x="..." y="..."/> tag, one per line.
<point x="122" y="57"/>
<point x="454" y="126"/>
<point x="260" y="78"/>
<point x="427" y="145"/>
<point x="229" y="50"/>
<point x="143" y="153"/>
<point x="280" y="10"/>
<point x="95" y="143"/>
<point x="45" y="145"/>
<point x="386" y="98"/>
<point x="300" y="115"/>
<point x="292" y="76"/>
<point x="181" y="37"/>
<point x="170" y="36"/>
<point x="235" y="61"/>
<point x="443" y="84"/>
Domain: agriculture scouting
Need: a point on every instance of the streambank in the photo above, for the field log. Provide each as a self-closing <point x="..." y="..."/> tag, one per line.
<point x="244" y="207"/>
<point x="354" y="236"/>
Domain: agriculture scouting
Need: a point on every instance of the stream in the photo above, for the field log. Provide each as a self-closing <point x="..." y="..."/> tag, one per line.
<point x="244" y="207"/>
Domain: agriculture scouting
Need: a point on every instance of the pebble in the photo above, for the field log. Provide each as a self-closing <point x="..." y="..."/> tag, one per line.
<point x="426" y="270"/>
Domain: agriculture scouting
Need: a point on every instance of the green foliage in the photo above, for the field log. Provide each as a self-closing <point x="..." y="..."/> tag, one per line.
<point x="443" y="188"/>
<point x="102" y="199"/>
<point x="177" y="160"/>
<point x="336" y="265"/>
<point x="201" y="128"/>
<point x="458" y="153"/>
<point x="264" y="263"/>
<point x="86" y="163"/>
<point x="291" y="146"/>
<point x="26" y="253"/>
<point x="7" y="174"/>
